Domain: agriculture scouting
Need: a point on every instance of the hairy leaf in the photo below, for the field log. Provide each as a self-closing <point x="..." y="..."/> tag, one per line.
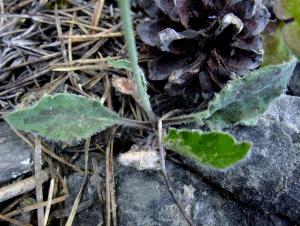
<point x="214" y="149"/>
<point x="291" y="35"/>
<point x="290" y="9"/>
<point x="275" y="49"/>
<point x="120" y="64"/>
<point x="287" y="9"/>
<point x="64" y="117"/>
<point x="282" y="9"/>
<point x="243" y="100"/>
<point x="295" y="10"/>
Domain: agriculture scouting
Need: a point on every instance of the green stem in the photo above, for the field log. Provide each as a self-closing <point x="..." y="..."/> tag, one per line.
<point x="139" y="78"/>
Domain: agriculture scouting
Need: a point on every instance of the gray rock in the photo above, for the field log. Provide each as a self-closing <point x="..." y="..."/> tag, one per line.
<point x="89" y="211"/>
<point x="15" y="155"/>
<point x="144" y="200"/>
<point x="286" y="110"/>
<point x="294" y="85"/>
<point x="269" y="178"/>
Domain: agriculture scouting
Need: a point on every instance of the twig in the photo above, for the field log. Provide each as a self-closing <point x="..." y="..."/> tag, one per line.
<point x="21" y="187"/>
<point x="83" y="38"/>
<point x="97" y="13"/>
<point x="79" y="195"/>
<point x="49" y="202"/>
<point x="108" y="180"/>
<point x="98" y="186"/>
<point x="75" y="206"/>
<point x="164" y="172"/>
<point x="59" y="33"/>
<point x="112" y="189"/>
<point x="110" y="207"/>
<point x="86" y="155"/>
<point x="13" y="221"/>
<point x="38" y="179"/>
<point x="35" y="206"/>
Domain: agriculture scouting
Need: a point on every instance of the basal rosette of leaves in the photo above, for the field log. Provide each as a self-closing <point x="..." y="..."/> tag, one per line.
<point x="202" y="43"/>
<point x="210" y="42"/>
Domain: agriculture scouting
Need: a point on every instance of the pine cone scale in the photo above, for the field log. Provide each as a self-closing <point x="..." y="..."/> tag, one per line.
<point x="219" y="39"/>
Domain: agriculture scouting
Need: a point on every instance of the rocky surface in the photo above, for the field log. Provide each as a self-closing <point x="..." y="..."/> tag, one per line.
<point x="89" y="211"/>
<point x="269" y="179"/>
<point x="294" y="86"/>
<point x="143" y="200"/>
<point x="16" y="156"/>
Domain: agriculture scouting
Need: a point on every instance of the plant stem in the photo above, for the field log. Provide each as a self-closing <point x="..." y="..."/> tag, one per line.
<point x="164" y="172"/>
<point x="165" y="122"/>
<point x="178" y="120"/>
<point x="131" y="46"/>
<point x="138" y="124"/>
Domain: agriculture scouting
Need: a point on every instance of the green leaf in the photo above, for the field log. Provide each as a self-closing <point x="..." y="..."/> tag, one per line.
<point x="275" y="49"/>
<point x="64" y="117"/>
<point x="287" y="9"/>
<point x="120" y="64"/>
<point x="214" y="149"/>
<point x="294" y="8"/>
<point x="241" y="101"/>
<point x="291" y="35"/>
<point x="282" y="9"/>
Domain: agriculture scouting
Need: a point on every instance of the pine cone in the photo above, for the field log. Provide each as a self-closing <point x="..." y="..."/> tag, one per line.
<point x="202" y="42"/>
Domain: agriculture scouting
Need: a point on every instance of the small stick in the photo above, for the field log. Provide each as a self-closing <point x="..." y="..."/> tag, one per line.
<point x="21" y="187"/>
<point x="108" y="183"/>
<point x="38" y="179"/>
<point x="97" y="14"/>
<point x="83" y="38"/>
<point x="79" y="195"/>
<point x="13" y="221"/>
<point x="59" y="33"/>
<point x="112" y="190"/>
<point x="98" y="186"/>
<point x="35" y="206"/>
<point x="49" y="202"/>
